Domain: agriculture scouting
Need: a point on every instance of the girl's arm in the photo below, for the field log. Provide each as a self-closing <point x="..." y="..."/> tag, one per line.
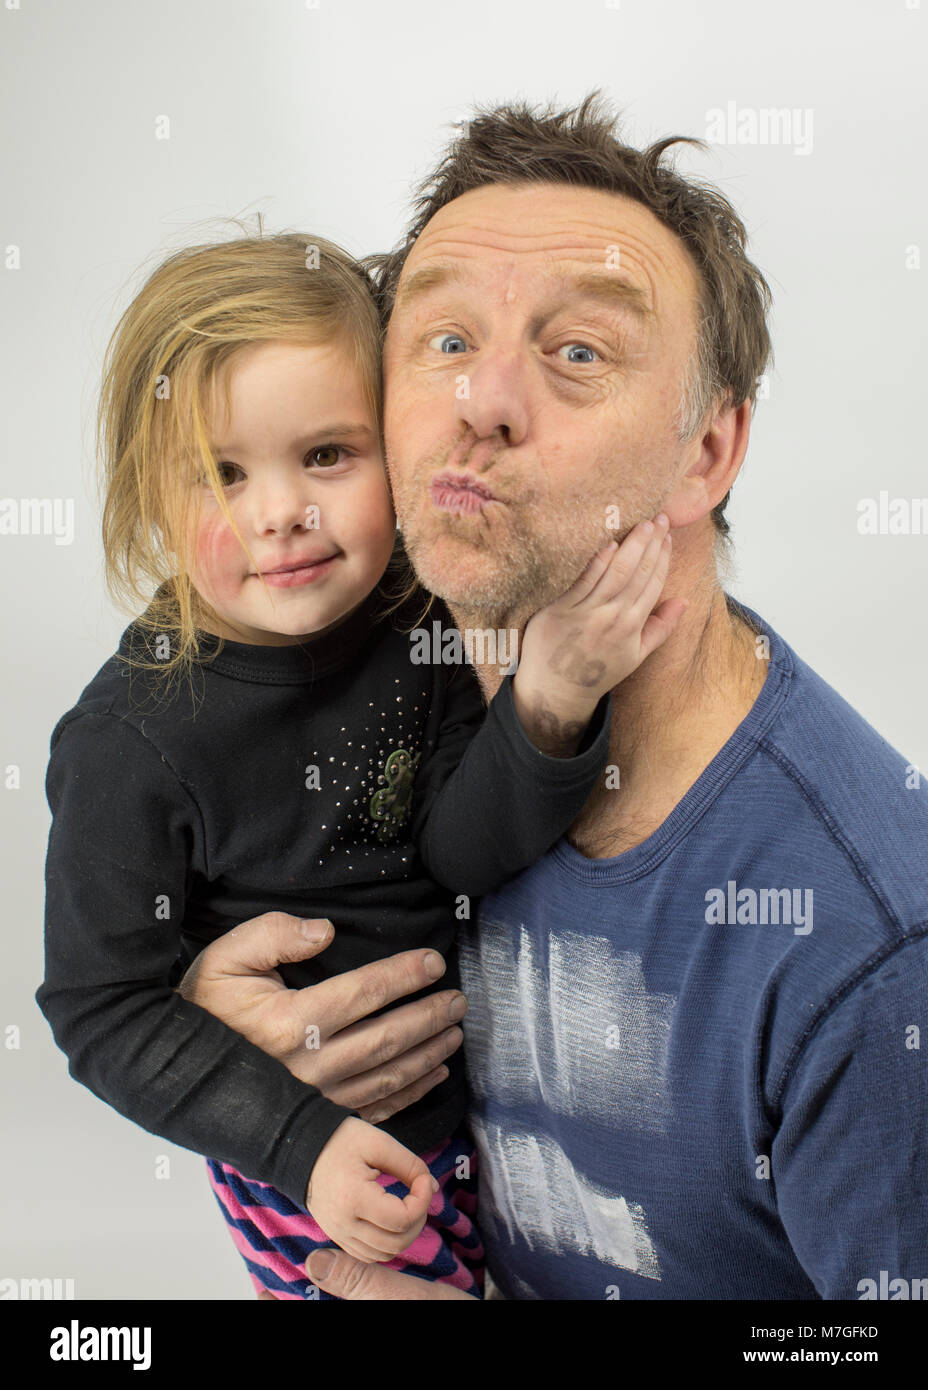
<point x="119" y="851"/>
<point x="498" y="794"/>
<point x="489" y="802"/>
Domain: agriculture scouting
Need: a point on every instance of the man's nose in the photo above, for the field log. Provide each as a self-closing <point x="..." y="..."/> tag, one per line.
<point x="493" y="394"/>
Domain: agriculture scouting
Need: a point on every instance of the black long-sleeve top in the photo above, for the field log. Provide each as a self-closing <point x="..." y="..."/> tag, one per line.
<point x="333" y="778"/>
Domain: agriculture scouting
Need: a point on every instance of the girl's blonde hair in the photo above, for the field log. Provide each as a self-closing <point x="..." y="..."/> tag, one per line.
<point x="163" y="362"/>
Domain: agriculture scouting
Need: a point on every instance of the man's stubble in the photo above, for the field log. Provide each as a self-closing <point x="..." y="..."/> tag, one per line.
<point x="532" y="550"/>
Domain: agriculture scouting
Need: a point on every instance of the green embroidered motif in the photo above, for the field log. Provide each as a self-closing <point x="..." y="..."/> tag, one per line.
<point x="392" y="804"/>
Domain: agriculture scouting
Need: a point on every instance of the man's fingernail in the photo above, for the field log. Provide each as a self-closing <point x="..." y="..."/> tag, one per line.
<point x="313" y="930"/>
<point x="321" y="1263"/>
<point x="434" y="966"/>
<point x="457" y="1009"/>
<point x="434" y="1184"/>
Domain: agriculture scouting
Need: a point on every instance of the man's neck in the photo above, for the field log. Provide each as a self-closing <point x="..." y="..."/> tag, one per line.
<point x="670" y="717"/>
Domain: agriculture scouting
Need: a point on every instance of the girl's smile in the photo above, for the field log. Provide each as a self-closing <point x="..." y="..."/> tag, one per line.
<point x="289" y="576"/>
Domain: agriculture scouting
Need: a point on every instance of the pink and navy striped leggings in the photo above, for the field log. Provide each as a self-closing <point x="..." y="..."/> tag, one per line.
<point x="275" y="1237"/>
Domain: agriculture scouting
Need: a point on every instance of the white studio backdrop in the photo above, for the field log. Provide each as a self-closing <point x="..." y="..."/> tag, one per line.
<point x="322" y="117"/>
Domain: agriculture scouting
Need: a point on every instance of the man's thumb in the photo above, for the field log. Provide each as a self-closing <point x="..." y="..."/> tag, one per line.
<point x="275" y="938"/>
<point x="338" y="1274"/>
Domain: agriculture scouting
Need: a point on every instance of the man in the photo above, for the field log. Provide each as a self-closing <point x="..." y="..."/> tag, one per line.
<point x="693" y="1038"/>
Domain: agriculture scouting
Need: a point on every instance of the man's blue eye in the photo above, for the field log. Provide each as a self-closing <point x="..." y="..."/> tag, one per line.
<point x="446" y="337"/>
<point x="582" y="347"/>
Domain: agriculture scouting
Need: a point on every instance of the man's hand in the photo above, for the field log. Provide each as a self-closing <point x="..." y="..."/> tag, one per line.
<point x="376" y="1066"/>
<point x="354" y="1281"/>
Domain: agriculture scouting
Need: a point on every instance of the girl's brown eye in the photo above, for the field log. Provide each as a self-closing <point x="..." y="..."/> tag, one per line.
<point x="226" y="473"/>
<point x="333" y="452"/>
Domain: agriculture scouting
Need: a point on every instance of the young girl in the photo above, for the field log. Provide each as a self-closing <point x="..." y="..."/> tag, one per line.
<point x="270" y="736"/>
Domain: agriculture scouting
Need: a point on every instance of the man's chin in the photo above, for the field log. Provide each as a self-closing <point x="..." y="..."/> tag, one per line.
<point x="462" y="574"/>
<point x="491" y="589"/>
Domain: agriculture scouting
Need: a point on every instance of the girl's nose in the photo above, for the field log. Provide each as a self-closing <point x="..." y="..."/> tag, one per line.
<point x="282" y="507"/>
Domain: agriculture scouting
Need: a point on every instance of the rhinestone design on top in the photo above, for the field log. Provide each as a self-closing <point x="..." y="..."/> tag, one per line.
<point x="392" y="804"/>
<point x="372" y="771"/>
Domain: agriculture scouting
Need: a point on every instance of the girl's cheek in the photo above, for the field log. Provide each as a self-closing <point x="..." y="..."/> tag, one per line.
<point x="373" y="514"/>
<point x="221" y="563"/>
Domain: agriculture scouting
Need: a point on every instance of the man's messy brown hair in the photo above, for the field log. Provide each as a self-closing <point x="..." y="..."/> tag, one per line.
<point x="580" y="147"/>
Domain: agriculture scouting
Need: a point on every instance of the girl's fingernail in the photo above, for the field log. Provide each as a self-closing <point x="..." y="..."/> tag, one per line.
<point x="663" y="519"/>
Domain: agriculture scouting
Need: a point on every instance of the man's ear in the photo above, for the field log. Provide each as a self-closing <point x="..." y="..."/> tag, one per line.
<point x="711" y="464"/>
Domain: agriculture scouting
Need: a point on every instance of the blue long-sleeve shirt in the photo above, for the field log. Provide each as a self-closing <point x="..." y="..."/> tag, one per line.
<point x="699" y="1070"/>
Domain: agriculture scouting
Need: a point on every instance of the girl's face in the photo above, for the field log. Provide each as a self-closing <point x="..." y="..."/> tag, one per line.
<point x="300" y="460"/>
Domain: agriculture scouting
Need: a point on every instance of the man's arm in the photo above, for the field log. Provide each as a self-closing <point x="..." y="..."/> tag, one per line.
<point x="850" y="1159"/>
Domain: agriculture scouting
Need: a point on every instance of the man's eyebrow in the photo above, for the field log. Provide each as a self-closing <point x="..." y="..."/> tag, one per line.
<point x="430" y="277"/>
<point x="611" y="289"/>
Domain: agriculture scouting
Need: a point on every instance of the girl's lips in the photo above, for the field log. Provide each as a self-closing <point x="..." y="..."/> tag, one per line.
<point x="306" y="574"/>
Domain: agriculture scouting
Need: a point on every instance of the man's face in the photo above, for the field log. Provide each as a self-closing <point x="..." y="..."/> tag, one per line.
<point x="533" y="379"/>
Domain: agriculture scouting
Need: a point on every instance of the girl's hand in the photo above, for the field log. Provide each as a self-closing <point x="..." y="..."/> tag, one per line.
<point x="583" y="644"/>
<point x="347" y="1201"/>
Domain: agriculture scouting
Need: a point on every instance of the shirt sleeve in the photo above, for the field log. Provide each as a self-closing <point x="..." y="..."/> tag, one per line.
<point x="117" y="869"/>
<point x="850" y="1161"/>
<point x="489" y="803"/>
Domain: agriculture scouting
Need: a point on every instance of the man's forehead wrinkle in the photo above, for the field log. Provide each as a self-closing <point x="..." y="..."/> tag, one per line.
<point x="559" y="224"/>
<point x="648" y="262"/>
